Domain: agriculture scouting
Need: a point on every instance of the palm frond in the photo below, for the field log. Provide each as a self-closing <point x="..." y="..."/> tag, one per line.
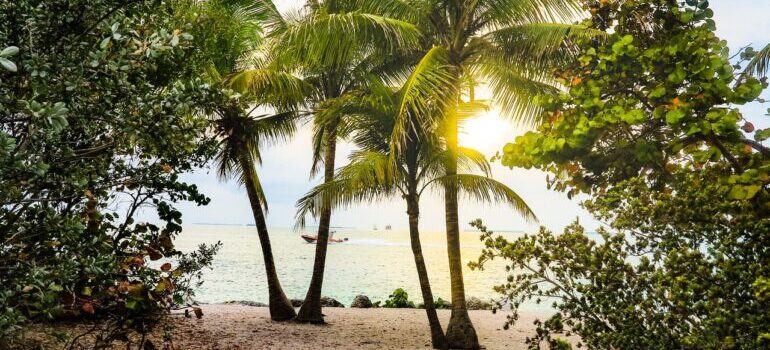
<point x="469" y="159"/>
<point x="485" y="189"/>
<point x="278" y="88"/>
<point x="240" y="137"/>
<point x="471" y="109"/>
<point x="369" y="168"/>
<point x="501" y="13"/>
<point x="365" y="179"/>
<point x="275" y="128"/>
<point x="434" y="159"/>
<point x="514" y="92"/>
<point x="399" y="9"/>
<point x="269" y="16"/>
<point x="331" y="40"/>
<point x="541" y="45"/>
<point x="236" y="141"/>
<point x="248" y="173"/>
<point x="426" y="90"/>
<point x="329" y="115"/>
<point x="319" y="140"/>
<point x="760" y="64"/>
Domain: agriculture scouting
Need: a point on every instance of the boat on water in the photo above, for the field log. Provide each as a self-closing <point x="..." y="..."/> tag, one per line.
<point x="388" y="228"/>
<point x="312" y="239"/>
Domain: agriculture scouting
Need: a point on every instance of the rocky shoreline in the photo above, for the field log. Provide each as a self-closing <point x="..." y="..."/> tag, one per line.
<point x="363" y="302"/>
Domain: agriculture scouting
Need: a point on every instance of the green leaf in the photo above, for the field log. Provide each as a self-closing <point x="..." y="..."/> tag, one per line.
<point x="737" y="192"/>
<point x="659" y="91"/>
<point x="762" y="134"/>
<point x="8" y="65"/>
<point x="58" y="123"/>
<point x="633" y="117"/>
<point x="674" y="116"/>
<point x="678" y="75"/>
<point x="751" y="191"/>
<point x="9" y="51"/>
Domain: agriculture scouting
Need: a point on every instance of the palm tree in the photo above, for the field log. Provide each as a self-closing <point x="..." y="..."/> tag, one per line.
<point x="234" y="36"/>
<point x="334" y="48"/>
<point x="511" y="46"/>
<point x="240" y="137"/>
<point x="378" y="171"/>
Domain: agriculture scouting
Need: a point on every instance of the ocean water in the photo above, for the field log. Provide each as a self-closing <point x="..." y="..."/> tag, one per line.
<point x="371" y="262"/>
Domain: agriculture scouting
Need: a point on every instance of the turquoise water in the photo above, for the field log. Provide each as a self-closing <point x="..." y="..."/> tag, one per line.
<point x="373" y="263"/>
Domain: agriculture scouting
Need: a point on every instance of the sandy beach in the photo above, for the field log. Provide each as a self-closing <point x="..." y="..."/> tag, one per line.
<point x="246" y="327"/>
<point x="243" y="327"/>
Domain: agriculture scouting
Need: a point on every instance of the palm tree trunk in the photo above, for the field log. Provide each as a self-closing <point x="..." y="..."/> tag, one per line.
<point x="280" y="307"/>
<point x="436" y="332"/>
<point x="311" y="308"/>
<point x="460" y="332"/>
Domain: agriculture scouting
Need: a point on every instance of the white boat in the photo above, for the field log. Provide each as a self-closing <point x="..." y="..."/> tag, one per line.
<point x="313" y="239"/>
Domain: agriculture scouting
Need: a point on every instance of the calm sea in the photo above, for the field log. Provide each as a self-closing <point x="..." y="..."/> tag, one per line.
<point x="371" y="262"/>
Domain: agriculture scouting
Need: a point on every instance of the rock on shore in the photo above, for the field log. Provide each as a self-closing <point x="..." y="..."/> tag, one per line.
<point x="325" y="302"/>
<point x="361" y="302"/>
<point x="246" y="303"/>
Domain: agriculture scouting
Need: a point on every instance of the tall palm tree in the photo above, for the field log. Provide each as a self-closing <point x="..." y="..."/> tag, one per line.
<point x="509" y="45"/>
<point x="240" y="137"/>
<point x="235" y="33"/>
<point x="333" y="47"/>
<point x="378" y="171"/>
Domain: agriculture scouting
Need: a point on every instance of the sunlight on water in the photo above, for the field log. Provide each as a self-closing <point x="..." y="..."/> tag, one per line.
<point x="373" y="263"/>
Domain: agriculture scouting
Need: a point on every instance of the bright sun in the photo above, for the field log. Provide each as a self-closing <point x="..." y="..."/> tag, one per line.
<point x="486" y="133"/>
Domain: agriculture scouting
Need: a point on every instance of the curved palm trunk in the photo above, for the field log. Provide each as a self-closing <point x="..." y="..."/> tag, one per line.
<point x="436" y="332"/>
<point x="280" y="307"/>
<point x="311" y="308"/>
<point x="460" y="332"/>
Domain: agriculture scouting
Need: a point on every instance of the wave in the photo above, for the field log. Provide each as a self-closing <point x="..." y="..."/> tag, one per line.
<point x="375" y="242"/>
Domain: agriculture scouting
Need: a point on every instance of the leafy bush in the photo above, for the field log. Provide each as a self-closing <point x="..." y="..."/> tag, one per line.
<point x="399" y="299"/>
<point x="645" y="129"/>
<point x="100" y="113"/>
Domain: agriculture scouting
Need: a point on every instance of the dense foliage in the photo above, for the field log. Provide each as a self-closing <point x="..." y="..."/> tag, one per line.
<point x="648" y="129"/>
<point x="105" y="103"/>
<point x="99" y="115"/>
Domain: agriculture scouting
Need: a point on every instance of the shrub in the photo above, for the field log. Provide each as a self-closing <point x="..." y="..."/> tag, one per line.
<point x="100" y="114"/>
<point x="399" y="299"/>
<point x="646" y="128"/>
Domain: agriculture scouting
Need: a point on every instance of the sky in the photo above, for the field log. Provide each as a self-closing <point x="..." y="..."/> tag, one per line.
<point x="285" y="169"/>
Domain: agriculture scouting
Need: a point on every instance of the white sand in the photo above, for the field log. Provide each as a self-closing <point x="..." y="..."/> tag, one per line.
<point x="245" y="327"/>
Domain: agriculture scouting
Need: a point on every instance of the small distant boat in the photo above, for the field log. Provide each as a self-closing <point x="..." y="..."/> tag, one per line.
<point x="314" y="239"/>
<point x="387" y="227"/>
<point x="374" y="227"/>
